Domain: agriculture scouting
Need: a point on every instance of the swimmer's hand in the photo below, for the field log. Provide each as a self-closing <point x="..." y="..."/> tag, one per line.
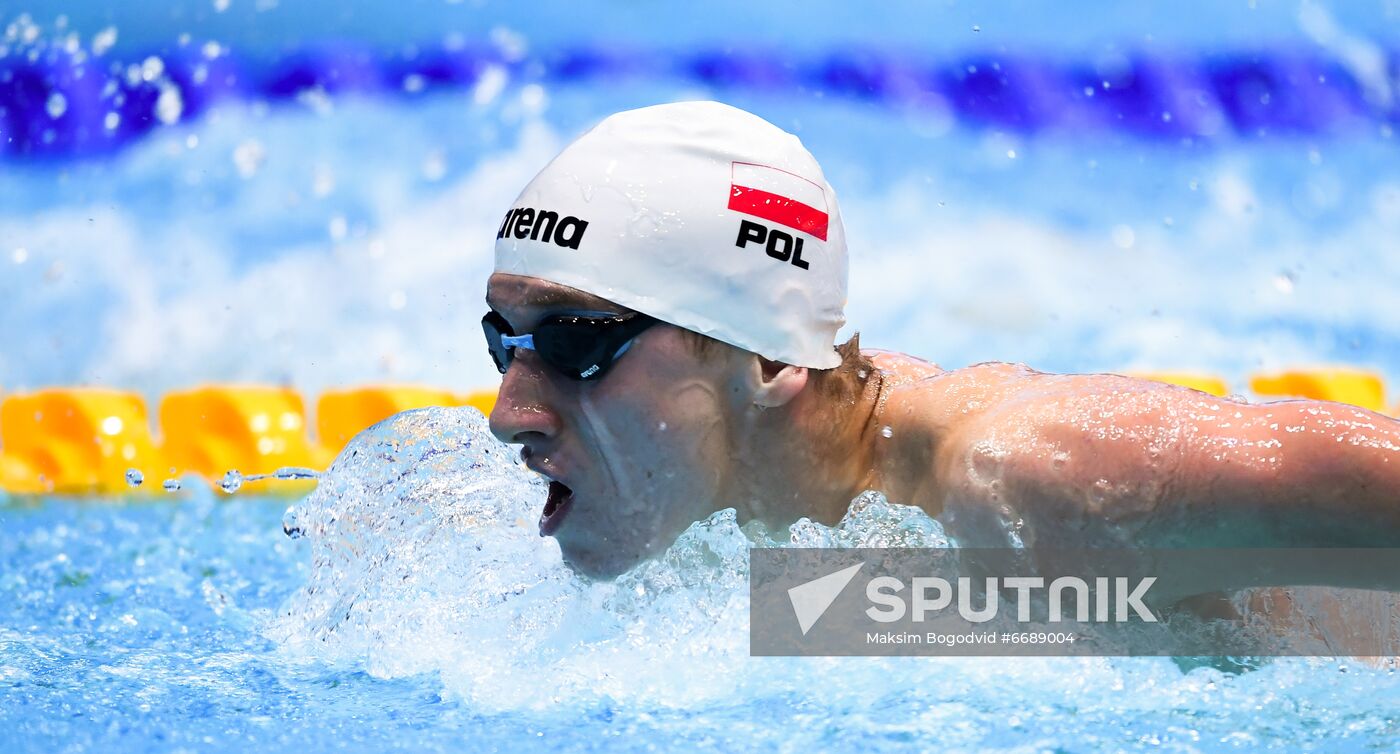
<point x="1111" y="461"/>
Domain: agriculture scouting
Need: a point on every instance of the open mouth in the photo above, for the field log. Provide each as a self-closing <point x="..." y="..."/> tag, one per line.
<point x="556" y="507"/>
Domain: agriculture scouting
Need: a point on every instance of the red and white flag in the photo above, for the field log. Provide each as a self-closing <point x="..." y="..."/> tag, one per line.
<point x="778" y="196"/>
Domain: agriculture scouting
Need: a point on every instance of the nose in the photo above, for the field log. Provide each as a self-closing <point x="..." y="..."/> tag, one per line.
<point x="524" y="410"/>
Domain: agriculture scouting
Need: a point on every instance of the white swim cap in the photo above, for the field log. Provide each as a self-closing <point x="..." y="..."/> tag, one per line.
<point x="698" y="214"/>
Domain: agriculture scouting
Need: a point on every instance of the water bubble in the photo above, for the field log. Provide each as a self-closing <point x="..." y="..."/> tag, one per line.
<point x="134" y="477"/>
<point x="1059" y="459"/>
<point x="887" y="431"/>
<point x="232" y="481"/>
<point x="171" y="485"/>
<point x="975" y="27"/>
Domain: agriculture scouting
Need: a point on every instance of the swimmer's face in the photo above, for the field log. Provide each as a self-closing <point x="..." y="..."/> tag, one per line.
<point x="635" y="456"/>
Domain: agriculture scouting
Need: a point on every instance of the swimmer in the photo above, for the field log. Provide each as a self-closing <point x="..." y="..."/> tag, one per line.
<point x="664" y="310"/>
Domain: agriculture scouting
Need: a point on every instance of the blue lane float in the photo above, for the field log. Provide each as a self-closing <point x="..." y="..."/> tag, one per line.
<point x="59" y="103"/>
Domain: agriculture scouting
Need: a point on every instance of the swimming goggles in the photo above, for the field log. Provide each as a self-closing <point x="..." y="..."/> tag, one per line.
<point x="578" y="346"/>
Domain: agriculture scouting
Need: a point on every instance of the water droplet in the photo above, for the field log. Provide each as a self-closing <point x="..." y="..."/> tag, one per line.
<point x="887" y="431"/>
<point x="1099" y="493"/>
<point x="103" y="40"/>
<point x="248" y="157"/>
<point x="169" y="105"/>
<point x="1059" y="459"/>
<point x="134" y="477"/>
<point x="171" y="485"/>
<point x="151" y="68"/>
<point x="661" y="426"/>
<point x="232" y="481"/>
<point x="975" y="27"/>
<point x="296" y="472"/>
<point x="56" y="105"/>
<point x="861" y="373"/>
<point x="291" y="525"/>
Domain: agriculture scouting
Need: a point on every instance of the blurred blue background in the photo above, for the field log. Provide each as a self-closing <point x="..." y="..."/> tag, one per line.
<point x="306" y="192"/>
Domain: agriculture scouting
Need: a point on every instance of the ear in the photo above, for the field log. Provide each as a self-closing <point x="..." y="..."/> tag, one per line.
<point x="778" y="383"/>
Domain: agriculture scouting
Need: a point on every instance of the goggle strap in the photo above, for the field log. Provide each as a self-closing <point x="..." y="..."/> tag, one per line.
<point x="519" y="341"/>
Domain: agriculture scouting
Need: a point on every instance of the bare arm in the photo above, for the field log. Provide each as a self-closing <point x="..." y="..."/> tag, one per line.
<point x="1105" y="460"/>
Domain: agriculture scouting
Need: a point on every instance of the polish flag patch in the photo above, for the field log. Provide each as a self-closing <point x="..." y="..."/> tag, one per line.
<point x="778" y="196"/>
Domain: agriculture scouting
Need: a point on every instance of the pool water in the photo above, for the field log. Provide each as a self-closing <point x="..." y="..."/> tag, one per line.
<point x="418" y="610"/>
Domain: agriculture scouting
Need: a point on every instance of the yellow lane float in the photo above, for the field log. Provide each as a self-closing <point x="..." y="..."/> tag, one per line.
<point x="1359" y="387"/>
<point x="251" y="429"/>
<point x="75" y="440"/>
<point x="342" y="414"/>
